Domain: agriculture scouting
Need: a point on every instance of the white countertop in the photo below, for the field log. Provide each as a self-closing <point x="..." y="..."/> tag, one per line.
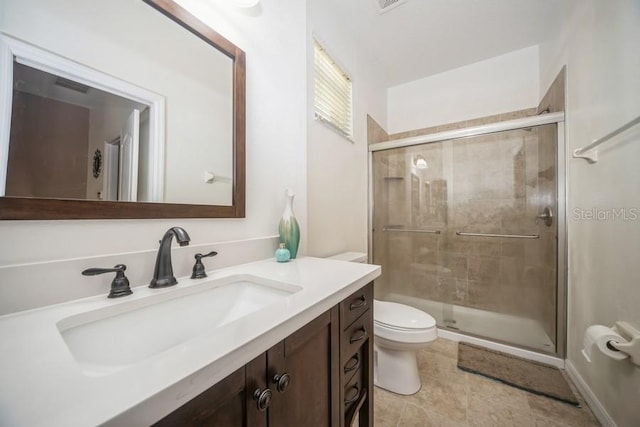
<point x="41" y="384"/>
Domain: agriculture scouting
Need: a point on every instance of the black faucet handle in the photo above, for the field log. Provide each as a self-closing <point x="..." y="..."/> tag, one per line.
<point x="119" y="268"/>
<point x="200" y="256"/>
<point x="119" y="285"/>
<point x="198" y="267"/>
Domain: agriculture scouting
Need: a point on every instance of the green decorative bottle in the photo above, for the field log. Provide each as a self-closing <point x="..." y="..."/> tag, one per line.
<point x="288" y="228"/>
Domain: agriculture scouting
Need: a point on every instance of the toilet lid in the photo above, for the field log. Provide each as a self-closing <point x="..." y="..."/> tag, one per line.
<point x="401" y="316"/>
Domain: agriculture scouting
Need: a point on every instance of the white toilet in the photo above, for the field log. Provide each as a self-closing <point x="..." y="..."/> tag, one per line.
<point x="399" y="332"/>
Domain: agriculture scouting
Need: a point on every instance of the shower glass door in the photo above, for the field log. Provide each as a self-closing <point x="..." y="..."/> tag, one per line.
<point x="460" y="230"/>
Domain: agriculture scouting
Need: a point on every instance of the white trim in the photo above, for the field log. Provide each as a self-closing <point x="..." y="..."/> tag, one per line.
<point x="525" y="354"/>
<point x="526" y="122"/>
<point x="129" y="152"/>
<point x="592" y="401"/>
<point x="111" y="155"/>
<point x="35" y="57"/>
<point x="155" y="179"/>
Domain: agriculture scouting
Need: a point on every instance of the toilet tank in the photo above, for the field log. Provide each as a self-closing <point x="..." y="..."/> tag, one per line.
<point x="350" y="256"/>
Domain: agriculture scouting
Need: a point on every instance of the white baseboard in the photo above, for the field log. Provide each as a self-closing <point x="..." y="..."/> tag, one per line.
<point x="594" y="404"/>
<point x="525" y="354"/>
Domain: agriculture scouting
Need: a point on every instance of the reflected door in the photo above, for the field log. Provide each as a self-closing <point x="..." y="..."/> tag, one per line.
<point x="128" y="166"/>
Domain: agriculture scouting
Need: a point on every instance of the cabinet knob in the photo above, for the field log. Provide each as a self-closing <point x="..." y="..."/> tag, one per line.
<point x="282" y="381"/>
<point x="262" y="398"/>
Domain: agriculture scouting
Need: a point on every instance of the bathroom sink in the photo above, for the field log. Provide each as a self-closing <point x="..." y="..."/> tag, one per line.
<point x="112" y="338"/>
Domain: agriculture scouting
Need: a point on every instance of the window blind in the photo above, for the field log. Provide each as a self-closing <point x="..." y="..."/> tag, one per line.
<point x="332" y="94"/>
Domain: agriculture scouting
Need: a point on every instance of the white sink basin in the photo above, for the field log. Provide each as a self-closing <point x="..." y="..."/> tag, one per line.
<point x="107" y="340"/>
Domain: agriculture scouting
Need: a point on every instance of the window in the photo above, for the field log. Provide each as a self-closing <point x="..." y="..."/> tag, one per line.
<point x="332" y="94"/>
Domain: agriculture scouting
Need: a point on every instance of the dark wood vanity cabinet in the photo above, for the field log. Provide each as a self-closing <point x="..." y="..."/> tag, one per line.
<point x="225" y="404"/>
<point x="356" y="358"/>
<point x="321" y="375"/>
<point x="309" y="356"/>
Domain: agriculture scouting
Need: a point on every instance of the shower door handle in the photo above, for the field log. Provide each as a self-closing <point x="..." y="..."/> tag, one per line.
<point x="546" y="215"/>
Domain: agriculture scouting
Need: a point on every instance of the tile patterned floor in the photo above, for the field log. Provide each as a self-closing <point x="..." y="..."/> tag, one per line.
<point x="453" y="398"/>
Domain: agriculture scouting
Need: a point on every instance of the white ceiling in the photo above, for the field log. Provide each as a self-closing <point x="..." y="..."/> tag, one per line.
<point x="41" y="83"/>
<point x="425" y="37"/>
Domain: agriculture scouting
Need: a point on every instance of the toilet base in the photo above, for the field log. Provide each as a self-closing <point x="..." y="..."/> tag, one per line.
<point x="396" y="370"/>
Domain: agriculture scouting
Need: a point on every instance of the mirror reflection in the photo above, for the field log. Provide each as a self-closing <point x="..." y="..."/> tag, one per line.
<point x="73" y="140"/>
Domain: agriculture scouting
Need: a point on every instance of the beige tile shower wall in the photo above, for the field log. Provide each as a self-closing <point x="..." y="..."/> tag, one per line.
<point x="407" y="198"/>
<point x="486" y="184"/>
<point x="554" y="98"/>
<point x="375" y="132"/>
<point x="391" y="198"/>
<point x="380" y="170"/>
<point x="495" y="188"/>
<point x="427" y="206"/>
<point x="465" y="123"/>
<point x="482" y="184"/>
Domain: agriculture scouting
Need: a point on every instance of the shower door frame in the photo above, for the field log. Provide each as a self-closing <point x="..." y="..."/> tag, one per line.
<point x="561" y="188"/>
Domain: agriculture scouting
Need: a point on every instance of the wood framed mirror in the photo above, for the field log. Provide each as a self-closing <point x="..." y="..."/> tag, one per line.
<point x="178" y="174"/>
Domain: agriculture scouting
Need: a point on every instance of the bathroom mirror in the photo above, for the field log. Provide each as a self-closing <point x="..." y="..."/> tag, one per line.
<point x="182" y="83"/>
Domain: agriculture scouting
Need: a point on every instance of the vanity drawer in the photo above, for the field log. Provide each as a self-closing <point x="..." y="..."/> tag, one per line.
<point x="352" y="365"/>
<point x="353" y="391"/>
<point x="355" y="336"/>
<point x="356" y="304"/>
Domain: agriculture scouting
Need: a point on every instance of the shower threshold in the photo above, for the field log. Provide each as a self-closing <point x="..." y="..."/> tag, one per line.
<point x="505" y="328"/>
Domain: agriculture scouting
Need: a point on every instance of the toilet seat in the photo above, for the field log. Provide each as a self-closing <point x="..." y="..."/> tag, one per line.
<point x="402" y="324"/>
<point x="400" y="316"/>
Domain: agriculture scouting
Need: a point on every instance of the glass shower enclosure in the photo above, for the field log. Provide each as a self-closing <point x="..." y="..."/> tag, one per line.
<point x="466" y="229"/>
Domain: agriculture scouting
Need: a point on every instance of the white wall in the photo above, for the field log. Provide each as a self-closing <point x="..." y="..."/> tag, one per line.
<point x="274" y="39"/>
<point x="600" y="47"/>
<point x="336" y="167"/>
<point x="498" y="85"/>
<point x="199" y="141"/>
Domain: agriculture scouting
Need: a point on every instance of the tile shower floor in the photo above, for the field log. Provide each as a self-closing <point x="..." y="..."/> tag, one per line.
<point x="450" y="397"/>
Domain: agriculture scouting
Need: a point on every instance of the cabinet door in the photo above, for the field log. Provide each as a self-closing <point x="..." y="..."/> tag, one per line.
<point x="310" y="358"/>
<point x="229" y="403"/>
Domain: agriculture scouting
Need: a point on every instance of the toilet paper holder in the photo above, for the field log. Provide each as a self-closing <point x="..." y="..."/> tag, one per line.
<point x="632" y="347"/>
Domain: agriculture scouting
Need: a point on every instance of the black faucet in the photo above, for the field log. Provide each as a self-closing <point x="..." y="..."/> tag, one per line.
<point x="163" y="272"/>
